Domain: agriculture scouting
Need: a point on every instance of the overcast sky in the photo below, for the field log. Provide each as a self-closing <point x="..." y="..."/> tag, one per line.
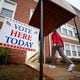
<point x="75" y="3"/>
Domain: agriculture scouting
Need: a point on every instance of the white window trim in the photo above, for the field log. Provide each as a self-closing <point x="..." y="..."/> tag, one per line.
<point x="50" y="42"/>
<point x="36" y="0"/>
<point x="1" y="4"/>
<point x="11" y="1"/>
<point x="71" y="50"/>
<point x="74" y="50"/>
<point x="14" y="10"/>
<point x="68" y="28"/>
<point x="67" y="36"/>
<point x="77" y="50"/>
<point x="14" y="3"/>
<point x="31" y="13"/>
<point x="2" y="18"/>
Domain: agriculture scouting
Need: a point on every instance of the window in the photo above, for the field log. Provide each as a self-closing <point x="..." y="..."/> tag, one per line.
<point x="67" y="50"/>
<point x="59" y="30"/>
<point x="6" y="12"/>
<point x="73" y="50"/>
<point x="64" y="31"/>
<point x="70" y="33"/>
<point x="75" y="32"/>
<point x="78" y="49"/>
<point x="8" y="9"/>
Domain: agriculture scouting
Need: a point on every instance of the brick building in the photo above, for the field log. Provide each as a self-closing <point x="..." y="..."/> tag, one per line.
<point x="22" y="10"/>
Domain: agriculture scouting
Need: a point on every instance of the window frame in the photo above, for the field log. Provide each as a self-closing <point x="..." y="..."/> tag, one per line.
<point x="70" y="44"/>
<point x="70" y="34"/>
<point x="12" y="9"/>
<point x="31" y="13"/>
<point x="78" y="51"/>
<point x="67" y="49"/>
<point x="64" y="31"/>
<point x="73" y="48"/>
<point x="5" y="15"/>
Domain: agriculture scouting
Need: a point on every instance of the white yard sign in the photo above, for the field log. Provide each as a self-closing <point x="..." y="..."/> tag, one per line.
<point x="18" y="35"/>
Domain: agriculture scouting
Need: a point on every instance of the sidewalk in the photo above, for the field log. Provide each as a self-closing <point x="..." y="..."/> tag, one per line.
<point x="57" y="73"/>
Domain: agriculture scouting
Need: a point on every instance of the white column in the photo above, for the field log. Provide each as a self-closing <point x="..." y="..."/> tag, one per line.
<point x="50" y="43"/>
<point x="44" y="52"/>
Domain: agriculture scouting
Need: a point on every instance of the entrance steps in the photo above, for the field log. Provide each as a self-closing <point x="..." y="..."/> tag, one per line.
<point x="58" y="73"/>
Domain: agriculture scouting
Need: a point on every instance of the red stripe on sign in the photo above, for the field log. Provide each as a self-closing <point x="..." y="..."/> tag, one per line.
<point x="25" y="49"/>
<point x="11" y="45"/>
<point x="8" y="45"/>
<point x="18" y="47"/>
<point x="0" y="43"/>
<point x="14" y="46"/>
<point x="4" y="45"/>
<point x="8" y="23"/>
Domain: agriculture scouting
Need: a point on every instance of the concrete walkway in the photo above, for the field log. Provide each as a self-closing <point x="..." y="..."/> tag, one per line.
<point x="57" y="73"/>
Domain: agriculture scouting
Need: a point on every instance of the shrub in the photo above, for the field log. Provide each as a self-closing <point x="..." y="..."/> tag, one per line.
<point x="4" y="51"/>
<point x="76" y="60"/>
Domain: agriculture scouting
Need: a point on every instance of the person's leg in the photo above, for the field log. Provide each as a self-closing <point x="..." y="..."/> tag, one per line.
<point x="54" y="48"/>
<point x="66" y="59"/>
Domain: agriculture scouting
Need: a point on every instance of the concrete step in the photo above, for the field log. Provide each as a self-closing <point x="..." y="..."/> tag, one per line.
<point x="58" y="73"/>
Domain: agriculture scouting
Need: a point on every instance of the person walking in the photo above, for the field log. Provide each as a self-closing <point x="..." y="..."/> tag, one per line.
<point x="58" y="45"/>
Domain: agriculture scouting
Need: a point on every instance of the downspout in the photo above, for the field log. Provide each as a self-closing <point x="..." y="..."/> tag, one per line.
<point x="76" y="28"/>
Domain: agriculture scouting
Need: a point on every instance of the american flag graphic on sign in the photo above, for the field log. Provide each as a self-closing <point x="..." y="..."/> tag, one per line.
<point x="8" y="23"/>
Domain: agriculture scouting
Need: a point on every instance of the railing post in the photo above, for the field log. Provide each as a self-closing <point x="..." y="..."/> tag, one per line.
<point x="41" y="40"/>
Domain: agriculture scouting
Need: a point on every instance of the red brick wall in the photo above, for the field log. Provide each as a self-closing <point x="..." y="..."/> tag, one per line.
<point x="23" y="10"/>
<point x="71" y="41"/>
<point x="1" y="25"/>
<point x="78" y="23"/>
<point x="77" y="20"/>
<point x="71" y="22"/>
<point x="17" y="56"/>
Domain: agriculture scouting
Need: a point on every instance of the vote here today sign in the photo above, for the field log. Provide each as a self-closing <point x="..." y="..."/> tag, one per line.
<point x="18" y="35"/>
